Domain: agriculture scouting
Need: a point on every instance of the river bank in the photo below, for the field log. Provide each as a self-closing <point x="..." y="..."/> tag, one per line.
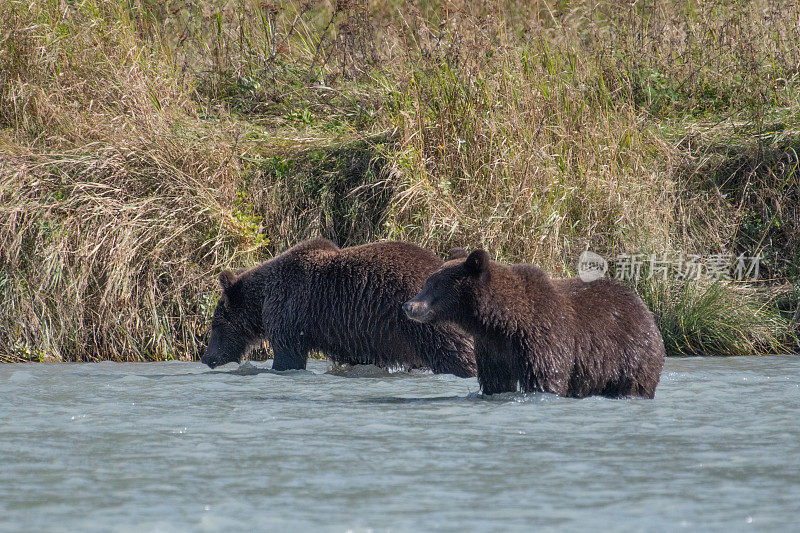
<point x="147" y="146"/>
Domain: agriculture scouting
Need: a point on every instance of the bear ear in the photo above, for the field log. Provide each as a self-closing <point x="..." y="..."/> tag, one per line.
<point x="477" y="262"/>
<point x="457" y="253"/>
<point x="226" y="280"/>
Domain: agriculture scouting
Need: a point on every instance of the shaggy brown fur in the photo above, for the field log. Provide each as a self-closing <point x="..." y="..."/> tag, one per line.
<point x="562" y="336"/>
<point x="345" y="303"/>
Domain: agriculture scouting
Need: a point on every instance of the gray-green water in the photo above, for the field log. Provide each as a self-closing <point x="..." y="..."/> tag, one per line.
<point x="174" y="447"/>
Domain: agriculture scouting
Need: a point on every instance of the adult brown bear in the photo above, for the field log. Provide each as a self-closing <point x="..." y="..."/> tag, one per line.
<point x="562" y="336"/>
<point x="345" y="303"/>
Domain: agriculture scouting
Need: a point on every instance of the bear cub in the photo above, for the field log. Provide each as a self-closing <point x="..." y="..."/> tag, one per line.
<point x="562" y="336"/>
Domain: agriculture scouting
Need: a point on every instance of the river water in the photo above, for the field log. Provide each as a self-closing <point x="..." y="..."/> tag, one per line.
<point x="176" y="447"/>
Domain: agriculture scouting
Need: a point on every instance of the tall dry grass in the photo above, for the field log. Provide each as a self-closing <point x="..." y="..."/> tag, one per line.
<point x="117" y="203"/>
<point x="520" y="144"/>
<point x="542" y="133"/>
<point x="146" y="145"/>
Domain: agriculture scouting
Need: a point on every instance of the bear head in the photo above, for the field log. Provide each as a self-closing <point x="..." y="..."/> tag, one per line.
<point x="448" y="293"/>
<point x="230" y="335"/>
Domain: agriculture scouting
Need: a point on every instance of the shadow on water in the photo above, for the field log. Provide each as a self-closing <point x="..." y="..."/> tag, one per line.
<point x="510" y="397"/>
<point x="472" y="397"/>
<point x="373" y="371"/>
<point x="248" y="369"/>
<point x="343" y="370"/>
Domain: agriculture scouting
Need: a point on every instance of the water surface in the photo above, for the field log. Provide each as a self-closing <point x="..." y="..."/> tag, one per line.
<point x="176" y="447"/>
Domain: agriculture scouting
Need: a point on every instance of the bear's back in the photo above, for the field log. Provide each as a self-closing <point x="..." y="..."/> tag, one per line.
<point x="605" y="303"/>
<point x="390" y="269"/>
<point x="347" y="302"/>
<point x="391" y="256"/>
<point x="382" y="259"/>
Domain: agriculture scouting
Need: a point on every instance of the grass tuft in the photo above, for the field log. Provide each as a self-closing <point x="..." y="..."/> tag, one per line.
<point x="698" y="318"/>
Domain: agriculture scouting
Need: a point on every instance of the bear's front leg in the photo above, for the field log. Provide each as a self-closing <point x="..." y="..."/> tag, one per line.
<point x="495" y="385"/>
<point x="495" y="372"/>
<point x="289" y="356"/>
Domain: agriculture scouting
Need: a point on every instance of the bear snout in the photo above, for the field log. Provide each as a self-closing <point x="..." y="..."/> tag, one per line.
<point x="210" y="361"/>
<point x="417" y="310"/>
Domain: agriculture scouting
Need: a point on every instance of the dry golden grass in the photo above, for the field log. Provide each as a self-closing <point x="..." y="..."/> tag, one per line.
<point x="117" y="202"/>
<point x="146" y="145"/>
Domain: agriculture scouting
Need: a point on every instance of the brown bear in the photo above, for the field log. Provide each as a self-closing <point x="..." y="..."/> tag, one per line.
<point x="562" y="336"/>
<point x="345" y="303"/>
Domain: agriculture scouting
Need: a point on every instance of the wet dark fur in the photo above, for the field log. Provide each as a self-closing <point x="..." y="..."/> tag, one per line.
<point x="345" y="303"/>
<point x="562" y="336"/>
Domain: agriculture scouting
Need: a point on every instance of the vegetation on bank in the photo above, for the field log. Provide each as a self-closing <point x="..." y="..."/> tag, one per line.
<point x="145" y="145"/>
